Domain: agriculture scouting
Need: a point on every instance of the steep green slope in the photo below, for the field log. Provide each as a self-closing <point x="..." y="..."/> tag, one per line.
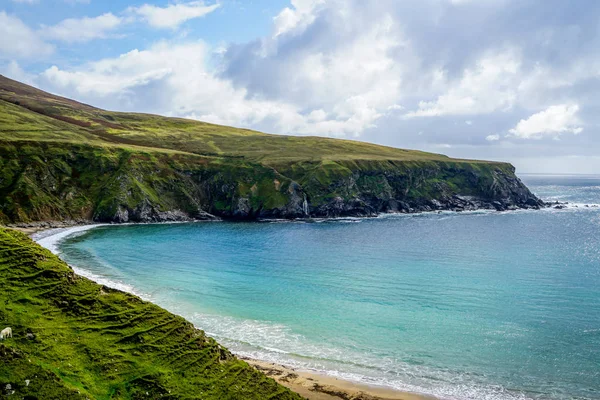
<point x="65" y="160"/>
<point x="74" y="339"/>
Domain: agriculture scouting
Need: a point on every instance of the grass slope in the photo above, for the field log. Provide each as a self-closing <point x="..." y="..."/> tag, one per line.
<point x="49" y="117"/>
<point x="74" y="339"/>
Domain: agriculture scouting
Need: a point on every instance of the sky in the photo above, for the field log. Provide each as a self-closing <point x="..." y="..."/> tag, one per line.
<point x="509" y="80"/>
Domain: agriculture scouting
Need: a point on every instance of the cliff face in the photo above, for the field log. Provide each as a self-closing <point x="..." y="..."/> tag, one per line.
<point x="64" y="160"/>
<point x="50" y="181"/>
<point x="371" y="187"/>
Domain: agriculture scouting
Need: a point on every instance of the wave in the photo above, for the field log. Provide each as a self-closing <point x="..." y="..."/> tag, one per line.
<point x="111" y="283"/>
<point x="51" y="238"/>
<point x="277" y="343"/>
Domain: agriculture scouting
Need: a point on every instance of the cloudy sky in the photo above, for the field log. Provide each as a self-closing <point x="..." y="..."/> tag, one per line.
<point x="515" y="80"/>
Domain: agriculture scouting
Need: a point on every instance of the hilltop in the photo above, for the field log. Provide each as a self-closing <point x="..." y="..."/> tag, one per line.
<point x="62" y="159"/>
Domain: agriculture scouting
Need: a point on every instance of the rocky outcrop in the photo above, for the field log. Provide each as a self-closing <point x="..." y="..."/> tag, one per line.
<point x="373" y="188"/>
<point x="45" y="182"/>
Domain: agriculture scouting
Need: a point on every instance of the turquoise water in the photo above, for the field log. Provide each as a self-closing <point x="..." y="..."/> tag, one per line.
<point x="463" y="306"/>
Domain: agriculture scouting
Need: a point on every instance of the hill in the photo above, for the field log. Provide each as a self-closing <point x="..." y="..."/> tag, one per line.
<point x="75" y="339"/>
<point x="61" y="159"/>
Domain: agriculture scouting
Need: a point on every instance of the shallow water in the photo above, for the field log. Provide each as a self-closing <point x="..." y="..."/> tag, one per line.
<point x="480" y="305"/>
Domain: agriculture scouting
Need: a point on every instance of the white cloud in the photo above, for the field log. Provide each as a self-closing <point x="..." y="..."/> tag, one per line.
<point x="178" y="72"/>
<point x="19" y="41"/>
<point x="174" y="14"/>
<point x="347" y="69"/>
<point x="296" y="18"/>
<point x="492" y="138"/>
<point x="25" y="1"/>
<point x="486" y="87"/>
<point x="82" y="29"/>
<point x="553" y="121"/>
<point x="172" y="79"/>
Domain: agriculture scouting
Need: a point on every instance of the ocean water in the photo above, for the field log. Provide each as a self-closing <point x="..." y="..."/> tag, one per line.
<point x="481" y="305"/>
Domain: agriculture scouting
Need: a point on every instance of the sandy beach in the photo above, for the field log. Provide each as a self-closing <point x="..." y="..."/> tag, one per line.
<point x="36" y="227"/>
<point x="315" y="386"/>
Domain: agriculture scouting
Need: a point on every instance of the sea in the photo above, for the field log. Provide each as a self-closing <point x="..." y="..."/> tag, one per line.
<point x="464" y="306"/>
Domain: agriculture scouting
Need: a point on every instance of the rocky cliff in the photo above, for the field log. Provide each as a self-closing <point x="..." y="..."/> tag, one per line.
<point x="60" y="159"/>
<point x="49" y="181"/>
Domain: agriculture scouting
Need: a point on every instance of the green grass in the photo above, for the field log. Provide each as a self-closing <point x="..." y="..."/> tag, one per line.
<point x="49" y="117"/>
<point x="76" y="339"/>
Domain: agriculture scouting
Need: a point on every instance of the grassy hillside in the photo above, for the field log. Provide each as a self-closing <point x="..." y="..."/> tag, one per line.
<point x="61" y="159"/>
<point x="74" y="339"/>
<point x="50" y="117"/>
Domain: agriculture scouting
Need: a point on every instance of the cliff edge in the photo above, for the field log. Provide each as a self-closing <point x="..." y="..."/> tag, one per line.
<point x="64" y="160"/>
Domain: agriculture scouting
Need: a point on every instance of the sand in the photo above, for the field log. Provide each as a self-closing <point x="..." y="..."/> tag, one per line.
<point x="35" y="227"/>
<point x="315" y="386"/>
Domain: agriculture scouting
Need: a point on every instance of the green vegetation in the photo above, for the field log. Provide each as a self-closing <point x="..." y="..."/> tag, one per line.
<point x="31" y="114"/>
<point x="51" y="181"/>
<point x="74" y="339"/>
<point x="61" y="159"/>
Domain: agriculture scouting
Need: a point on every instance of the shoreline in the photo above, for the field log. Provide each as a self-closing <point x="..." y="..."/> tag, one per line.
<point x="313" y="385"/>
<point x="319" y="386"/>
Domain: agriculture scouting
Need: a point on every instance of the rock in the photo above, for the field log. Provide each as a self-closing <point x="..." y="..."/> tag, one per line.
<point x="436" y="204"/>
<point x="242" y="208"/>
<point x="498" y="206"/>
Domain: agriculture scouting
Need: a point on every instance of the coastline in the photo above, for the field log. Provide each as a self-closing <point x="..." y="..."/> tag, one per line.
<point x="317" y="386"/>
<point x="312" y="385"/>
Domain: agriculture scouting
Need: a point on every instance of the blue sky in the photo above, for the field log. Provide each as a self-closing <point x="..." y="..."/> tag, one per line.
<point x="513" y="80"/>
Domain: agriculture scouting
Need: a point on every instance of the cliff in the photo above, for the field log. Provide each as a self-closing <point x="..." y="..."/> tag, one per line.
<point x="63" y="160"/>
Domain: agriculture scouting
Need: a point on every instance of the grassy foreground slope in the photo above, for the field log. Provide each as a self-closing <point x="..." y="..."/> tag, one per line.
<point x="75" y="339"/>
<point x="60" y="159"/>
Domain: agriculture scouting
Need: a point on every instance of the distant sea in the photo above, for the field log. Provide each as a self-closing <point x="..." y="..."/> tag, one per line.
<point x="479" y="305"/>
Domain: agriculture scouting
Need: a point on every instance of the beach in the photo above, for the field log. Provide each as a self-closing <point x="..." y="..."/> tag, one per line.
<point x="315" y="386"/>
